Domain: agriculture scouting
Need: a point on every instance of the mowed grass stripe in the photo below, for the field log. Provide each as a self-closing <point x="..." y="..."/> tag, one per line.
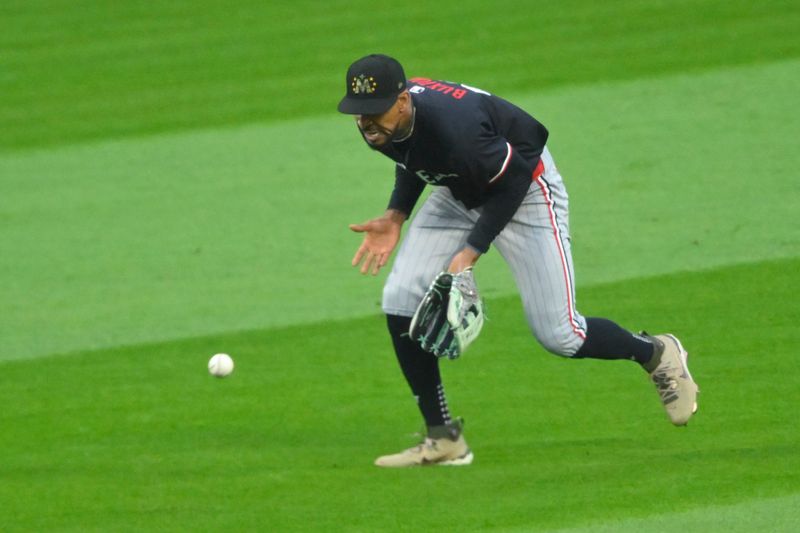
<point x="221" y="230"/>
<point x="141" y="438"/>
<point x="771" y="514"/>
<point x="128" y="69"/>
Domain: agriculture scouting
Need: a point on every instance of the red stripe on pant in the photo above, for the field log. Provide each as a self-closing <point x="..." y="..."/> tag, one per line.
<point x="576" y="327"/>
<point x="538" y="171"/>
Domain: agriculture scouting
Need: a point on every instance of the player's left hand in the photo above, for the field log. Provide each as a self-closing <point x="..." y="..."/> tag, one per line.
<point x="463" y="260"/>
<point x="450" y="315"/>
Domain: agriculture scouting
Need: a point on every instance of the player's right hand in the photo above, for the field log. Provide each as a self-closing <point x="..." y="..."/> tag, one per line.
<point x="381" y="237"/>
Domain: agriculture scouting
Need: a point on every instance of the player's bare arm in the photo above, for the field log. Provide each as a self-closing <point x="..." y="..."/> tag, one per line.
<point x="380" y="239"/>
<point x="463" y="260"/>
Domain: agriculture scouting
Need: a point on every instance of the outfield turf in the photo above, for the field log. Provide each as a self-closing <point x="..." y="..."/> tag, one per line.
<point x="174" y="182"/>
<point x="140" y="438"/>
<point x="151" y="238"/>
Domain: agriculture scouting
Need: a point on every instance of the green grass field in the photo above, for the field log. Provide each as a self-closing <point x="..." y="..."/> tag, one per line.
<point x="174" y="182"/>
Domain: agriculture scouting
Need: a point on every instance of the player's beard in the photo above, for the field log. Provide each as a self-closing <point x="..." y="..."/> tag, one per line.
<point x="385" y="135"/>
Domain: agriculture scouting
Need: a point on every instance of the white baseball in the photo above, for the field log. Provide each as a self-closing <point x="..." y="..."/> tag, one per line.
<point x="220" y="365"/>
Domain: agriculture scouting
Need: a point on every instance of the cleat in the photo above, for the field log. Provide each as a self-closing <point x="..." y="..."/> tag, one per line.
<point x="676" y="388"/>
<point x="450" y="449"/>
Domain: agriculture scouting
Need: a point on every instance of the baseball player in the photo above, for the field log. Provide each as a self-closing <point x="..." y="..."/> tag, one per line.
<point x="495" y="183"/>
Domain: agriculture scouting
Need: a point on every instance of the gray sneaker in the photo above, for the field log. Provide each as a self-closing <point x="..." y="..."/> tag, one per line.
<point x="670" y="373"/>
<point x="444" y="445"/>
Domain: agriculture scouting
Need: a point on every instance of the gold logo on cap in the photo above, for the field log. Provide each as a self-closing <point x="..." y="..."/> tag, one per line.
<point x="363" y="84"/>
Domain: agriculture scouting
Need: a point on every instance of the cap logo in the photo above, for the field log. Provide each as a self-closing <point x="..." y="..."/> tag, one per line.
<point x="363" y="84"/>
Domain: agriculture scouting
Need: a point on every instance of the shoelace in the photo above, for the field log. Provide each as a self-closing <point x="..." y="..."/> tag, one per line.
<point x="426" y="442"/>
<point x="666" y="385"/>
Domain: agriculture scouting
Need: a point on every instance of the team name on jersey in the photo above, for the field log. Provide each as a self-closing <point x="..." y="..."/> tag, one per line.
<point x="457" y="91"/>
<point x="434" y="178"/>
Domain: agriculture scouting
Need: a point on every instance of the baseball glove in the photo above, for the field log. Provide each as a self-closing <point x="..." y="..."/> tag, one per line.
<point x="450" y="315"/>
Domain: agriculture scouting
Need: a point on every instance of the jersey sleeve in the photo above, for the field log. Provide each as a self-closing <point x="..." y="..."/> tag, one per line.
<point x="407" y="190"/>
<point x="507" y="178"/>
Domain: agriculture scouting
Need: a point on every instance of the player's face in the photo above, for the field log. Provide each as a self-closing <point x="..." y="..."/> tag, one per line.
<point x="380" y="129"/>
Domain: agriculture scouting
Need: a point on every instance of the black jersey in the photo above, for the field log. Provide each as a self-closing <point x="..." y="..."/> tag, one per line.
<point x="481" y="147"/>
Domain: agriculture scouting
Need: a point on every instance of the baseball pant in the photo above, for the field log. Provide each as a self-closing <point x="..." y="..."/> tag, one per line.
<point x="535" y="244"/>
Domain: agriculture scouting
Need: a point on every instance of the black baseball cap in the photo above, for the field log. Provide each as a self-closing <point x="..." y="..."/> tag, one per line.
<point x="373" y="83"/>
